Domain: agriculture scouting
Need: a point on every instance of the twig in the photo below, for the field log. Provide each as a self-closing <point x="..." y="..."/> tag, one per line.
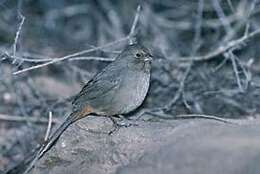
<point x="195" y="47"/>
<point x="194" y="116"/>
<point x="197" y="36"/>
<point x="55" y="60"/>
<point x="245" y="72"/>
<point x="39" y="60"/>
<point x="104" y="59"/>
<point x="47" y="134"/>
<point x="210" y="117"/>
<point x="180" y="89"/>
<point x="251" y="8"/>
<point x="221" y="64"/>
<point x="222" y="16"/>
<point x="231" y="6"/>
<point x="18" y="34"/>
<point x="222" y="49"/>
<point x="132" y="31"/>
<point x="13" y="118"/>
<point x="235" y="68"/>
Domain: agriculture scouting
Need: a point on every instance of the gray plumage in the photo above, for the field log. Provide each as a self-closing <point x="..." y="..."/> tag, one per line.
<point x="121" y="86"/>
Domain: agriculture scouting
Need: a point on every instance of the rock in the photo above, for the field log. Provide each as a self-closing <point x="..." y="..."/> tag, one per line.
<point x="178" y="146"/>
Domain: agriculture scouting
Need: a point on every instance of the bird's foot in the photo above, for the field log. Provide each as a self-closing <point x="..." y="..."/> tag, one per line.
<point x="117" y="125"/>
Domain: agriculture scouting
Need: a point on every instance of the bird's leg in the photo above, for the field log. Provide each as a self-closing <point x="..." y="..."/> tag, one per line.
<point x="117" y="125"/>
<point x="127" y="122"/>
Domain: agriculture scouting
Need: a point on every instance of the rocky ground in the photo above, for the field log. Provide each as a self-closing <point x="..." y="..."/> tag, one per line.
<point x="192" y="146"/>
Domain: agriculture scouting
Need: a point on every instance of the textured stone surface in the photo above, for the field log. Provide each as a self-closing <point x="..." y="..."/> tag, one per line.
<point x="177" y="146"/>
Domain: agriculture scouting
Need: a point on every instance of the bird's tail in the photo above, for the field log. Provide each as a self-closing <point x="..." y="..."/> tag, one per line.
<point x="55" y="136"/>
<point x="26" y="165"/>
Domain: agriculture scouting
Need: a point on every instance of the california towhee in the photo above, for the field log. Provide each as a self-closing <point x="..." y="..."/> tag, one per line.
<point x="118" y="89"/>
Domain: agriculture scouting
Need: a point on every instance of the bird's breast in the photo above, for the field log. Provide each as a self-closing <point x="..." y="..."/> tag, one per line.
<point x="133" y="90"/>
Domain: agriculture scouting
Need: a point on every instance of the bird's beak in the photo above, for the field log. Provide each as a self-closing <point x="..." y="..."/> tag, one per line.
<point x="148" y="58"/>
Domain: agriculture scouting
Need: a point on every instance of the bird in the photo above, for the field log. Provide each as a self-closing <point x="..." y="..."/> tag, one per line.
<point x="119" y="88"/>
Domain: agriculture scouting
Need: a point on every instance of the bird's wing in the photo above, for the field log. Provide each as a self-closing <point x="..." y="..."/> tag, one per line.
<point x="99" y="85"/>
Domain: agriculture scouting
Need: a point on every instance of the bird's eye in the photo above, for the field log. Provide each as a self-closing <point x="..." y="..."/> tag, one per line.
<point x="138" y="55"/>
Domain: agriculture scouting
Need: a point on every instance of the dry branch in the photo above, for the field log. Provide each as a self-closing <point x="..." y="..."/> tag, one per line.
<point x="13" y="118"/>
<point x="222" y="49"/>
<point x="55" y="60"/>
<point x="133" y="28"/>
<point x="17" y="35"/>
<point x="47" y="134"/>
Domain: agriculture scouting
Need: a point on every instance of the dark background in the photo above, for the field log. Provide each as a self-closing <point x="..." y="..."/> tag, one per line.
<point x="226" y="84"/>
